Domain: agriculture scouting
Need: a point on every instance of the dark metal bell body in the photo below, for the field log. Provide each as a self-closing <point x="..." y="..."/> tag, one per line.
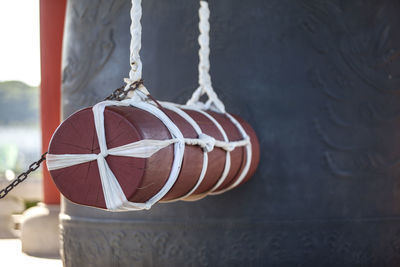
<point x="319" y="82"/>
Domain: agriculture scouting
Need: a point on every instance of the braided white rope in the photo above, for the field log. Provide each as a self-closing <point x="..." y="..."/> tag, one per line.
<point x="205" y="85"/>
<point x="135" y="73"/>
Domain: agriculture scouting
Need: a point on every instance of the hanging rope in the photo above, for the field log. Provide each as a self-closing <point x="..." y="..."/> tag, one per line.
<point x="135" y="73"/>
<point x="205" y="85"/>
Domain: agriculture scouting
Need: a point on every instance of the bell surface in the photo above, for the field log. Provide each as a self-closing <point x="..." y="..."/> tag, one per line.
<point x="319" y="83"/>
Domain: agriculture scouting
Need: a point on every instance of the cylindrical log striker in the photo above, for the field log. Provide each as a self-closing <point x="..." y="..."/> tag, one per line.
<point x="142" y="178"/>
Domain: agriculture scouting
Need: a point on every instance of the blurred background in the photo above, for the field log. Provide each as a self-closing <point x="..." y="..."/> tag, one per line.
<point x="21" y="135"/>
<point x="19" y="87"/>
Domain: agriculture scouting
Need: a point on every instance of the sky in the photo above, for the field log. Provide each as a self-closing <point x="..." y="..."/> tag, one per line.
<point x="19" y="41"/>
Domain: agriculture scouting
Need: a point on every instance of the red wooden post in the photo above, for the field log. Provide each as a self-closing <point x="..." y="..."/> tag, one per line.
<point x="52" y="14"/>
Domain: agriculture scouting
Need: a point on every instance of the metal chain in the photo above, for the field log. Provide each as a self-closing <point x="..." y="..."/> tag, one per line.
<point x="118" y="95"/>
<point x="22" y="177"/>
<point x="121" y="93"/>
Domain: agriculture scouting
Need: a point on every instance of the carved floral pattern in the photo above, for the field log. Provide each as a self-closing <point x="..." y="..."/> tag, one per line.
<point x="211" y="244"/>
<point x="361" y="81"/>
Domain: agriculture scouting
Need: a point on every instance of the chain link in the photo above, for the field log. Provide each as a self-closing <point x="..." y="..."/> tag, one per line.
<point x="120" y="93"/>
<point x="22" y="177"/>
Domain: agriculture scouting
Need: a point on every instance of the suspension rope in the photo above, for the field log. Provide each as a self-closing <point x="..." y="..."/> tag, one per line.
<point x="135" y="73"/>
<point x="205" y="84"/>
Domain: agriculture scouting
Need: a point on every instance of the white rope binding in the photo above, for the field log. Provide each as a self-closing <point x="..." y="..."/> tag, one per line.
<point x="113" y="194"/>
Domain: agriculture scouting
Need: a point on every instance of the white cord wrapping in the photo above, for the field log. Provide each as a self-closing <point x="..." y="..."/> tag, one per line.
<point x="226" y="145"/>
<point x="228" y="148"/>
<point x="207" y="146"/>
<point x="245" y="142"/>
<point x="113" y="194"/>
